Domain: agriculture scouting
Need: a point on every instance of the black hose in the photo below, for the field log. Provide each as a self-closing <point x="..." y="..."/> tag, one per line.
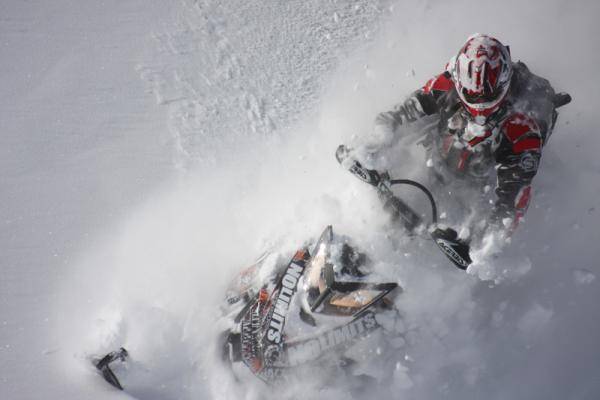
<point x="434" y="215"/>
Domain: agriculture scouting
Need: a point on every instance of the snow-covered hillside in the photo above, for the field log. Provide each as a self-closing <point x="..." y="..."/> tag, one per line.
<point x="149" y="149"/>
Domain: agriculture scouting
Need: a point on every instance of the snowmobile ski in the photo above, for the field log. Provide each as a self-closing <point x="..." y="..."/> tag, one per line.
<point x="103" y="365"/>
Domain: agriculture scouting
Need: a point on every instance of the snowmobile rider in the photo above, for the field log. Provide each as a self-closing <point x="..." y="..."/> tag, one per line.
<point x="495" y="116"/>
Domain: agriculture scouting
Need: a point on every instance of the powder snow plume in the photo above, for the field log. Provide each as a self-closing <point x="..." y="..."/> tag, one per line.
<point x="150" y="150"/>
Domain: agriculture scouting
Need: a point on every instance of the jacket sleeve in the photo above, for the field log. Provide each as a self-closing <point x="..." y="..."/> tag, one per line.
<point x="385" y="134"/>
<point x="419" y="104"/>
<point x="403" y="113"/>
<point x="518" y="161"/>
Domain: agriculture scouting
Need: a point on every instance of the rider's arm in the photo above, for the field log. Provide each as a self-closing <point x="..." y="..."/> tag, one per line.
<point x="419" y="104"/>
<point x="405" y="112"/>
<point x="518" y="159"/>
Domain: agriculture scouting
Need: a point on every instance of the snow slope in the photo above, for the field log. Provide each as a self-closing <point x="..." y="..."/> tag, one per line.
<point x="150" y="149"/>
<point x="81" y="145"/>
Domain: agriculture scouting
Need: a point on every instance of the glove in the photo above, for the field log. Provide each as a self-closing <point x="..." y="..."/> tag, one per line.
<point x="457" y="250"/>
<point x="369" y="176"/>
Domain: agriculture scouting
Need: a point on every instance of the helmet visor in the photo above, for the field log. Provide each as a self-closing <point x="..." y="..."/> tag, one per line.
<point x="487" y="96"/>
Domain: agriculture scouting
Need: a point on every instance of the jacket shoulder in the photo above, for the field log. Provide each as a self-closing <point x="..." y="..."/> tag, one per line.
<point x="522" y="132"/>
<point x="439" y="83"/>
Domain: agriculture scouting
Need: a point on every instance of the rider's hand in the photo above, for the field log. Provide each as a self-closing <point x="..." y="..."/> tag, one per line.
<point x="342" y="153"/>
<point x="369" y="176"/>
<point x="455" y="248"/>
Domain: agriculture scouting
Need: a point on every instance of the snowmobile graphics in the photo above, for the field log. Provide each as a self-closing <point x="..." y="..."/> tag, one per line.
<point x="283" y="317"/>
<point x="310" y="311"/>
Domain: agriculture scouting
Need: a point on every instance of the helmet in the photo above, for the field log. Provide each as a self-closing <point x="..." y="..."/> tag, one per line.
<point x="481" y="73"/>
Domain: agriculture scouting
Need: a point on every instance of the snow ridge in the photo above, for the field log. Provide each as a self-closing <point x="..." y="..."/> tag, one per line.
<point x="230" y="70"/>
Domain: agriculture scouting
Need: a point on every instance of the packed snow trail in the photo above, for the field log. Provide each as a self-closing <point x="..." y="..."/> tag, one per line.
<point x="234" y="109"/>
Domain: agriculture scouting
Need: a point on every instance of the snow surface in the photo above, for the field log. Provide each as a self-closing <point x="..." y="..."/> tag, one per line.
<point x="148" y="150"/>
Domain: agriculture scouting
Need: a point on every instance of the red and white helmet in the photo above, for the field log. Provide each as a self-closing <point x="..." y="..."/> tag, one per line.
<point x="482" y="72"/>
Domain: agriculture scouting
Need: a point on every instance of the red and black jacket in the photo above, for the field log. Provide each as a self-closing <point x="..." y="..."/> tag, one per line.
<point x="516" y="132"/>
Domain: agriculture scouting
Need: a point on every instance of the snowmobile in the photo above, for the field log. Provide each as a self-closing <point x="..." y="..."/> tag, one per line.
<point x="282" y="317"/>
<point x="314" y="310"/>
<point x="309" y="311"/>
